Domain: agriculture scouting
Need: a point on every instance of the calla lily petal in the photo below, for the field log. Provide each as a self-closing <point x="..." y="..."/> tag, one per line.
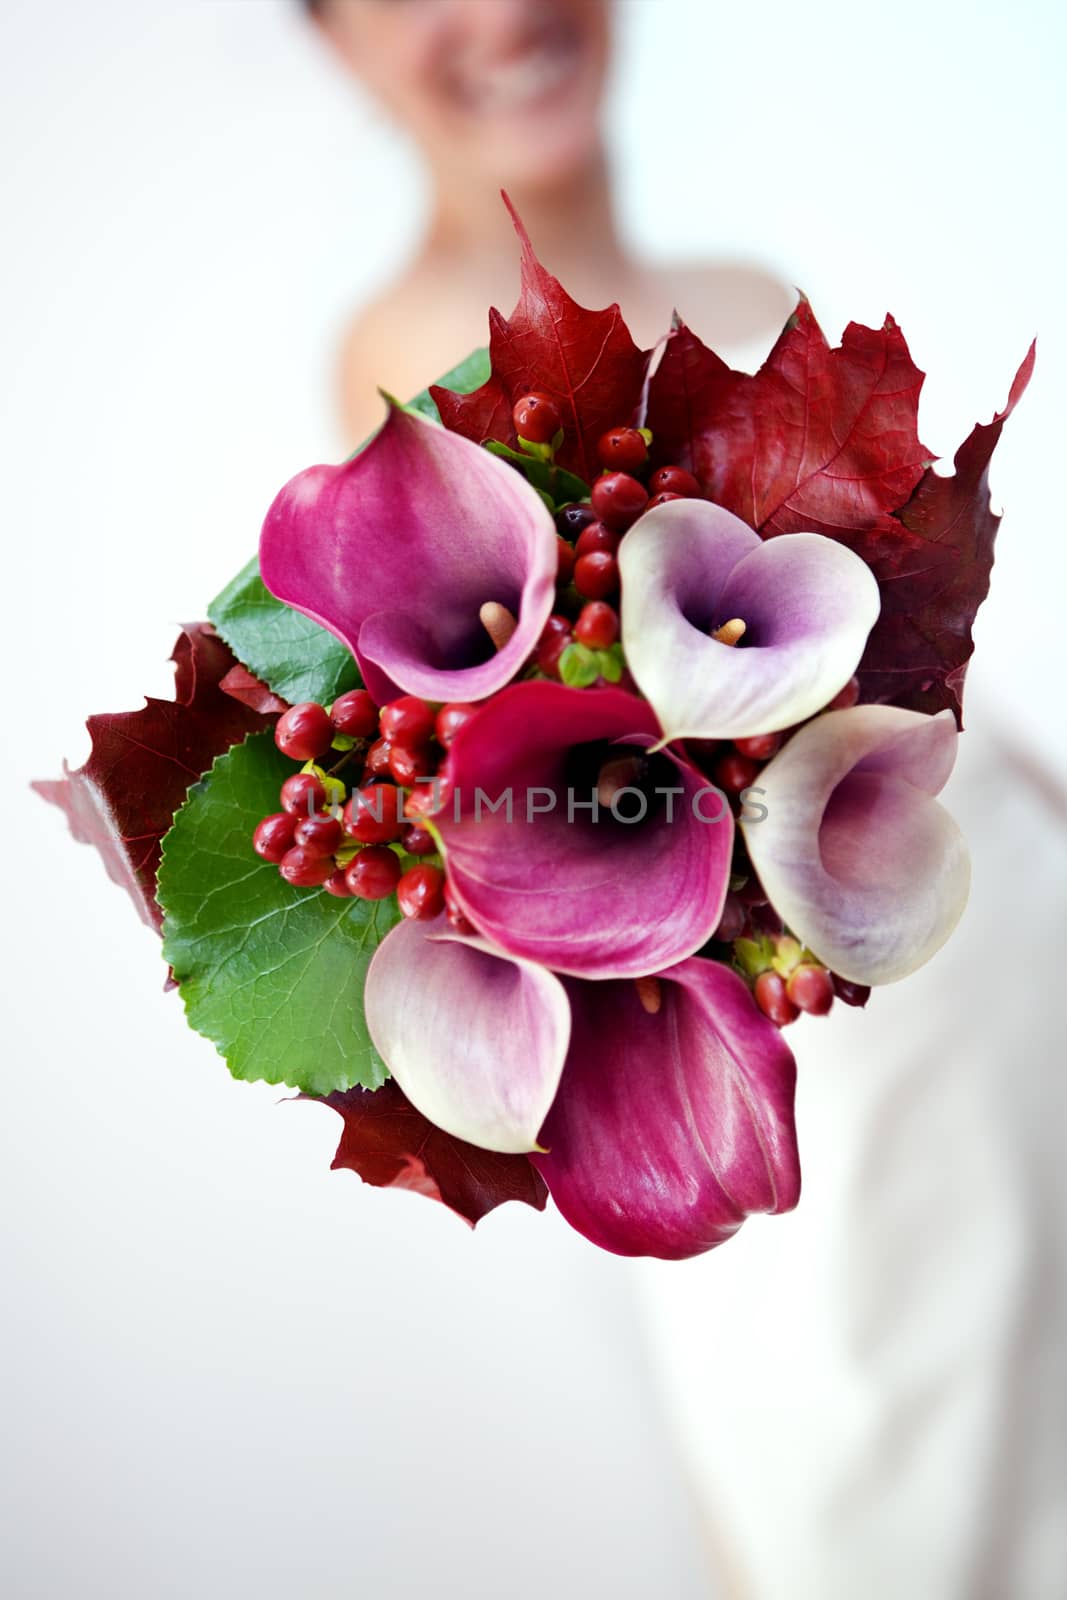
<point x="807" y="603"/>
<point x="475" y="1039"/>
<point x="855" y="853"/>
<point x="542" y="879"/>
<point x="670" y="1128"/>
<point x="397" y="550"/>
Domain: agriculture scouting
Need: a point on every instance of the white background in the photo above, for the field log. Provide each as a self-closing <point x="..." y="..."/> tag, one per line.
<point x="230" y="1371"/>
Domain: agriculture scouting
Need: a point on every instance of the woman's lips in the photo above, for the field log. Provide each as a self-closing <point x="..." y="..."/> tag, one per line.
<point x="539" y="74"/>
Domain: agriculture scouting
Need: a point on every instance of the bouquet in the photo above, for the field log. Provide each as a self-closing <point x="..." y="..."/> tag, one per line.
<point x="558" y="751"/>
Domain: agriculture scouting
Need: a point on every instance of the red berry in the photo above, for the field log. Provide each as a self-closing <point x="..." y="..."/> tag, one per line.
<point x="622" y="450"/>
<point x="771" y="997"/>
<point x="733" y="773"/>
<point x="322" y="833"/>
<point x="375" y="815"/>
<point x="374" y="873"/>
<point x="572" y="520"/>
<point x="847" y="697"/>
<point x="564" y="562"/>
<point x="674" y="480"/>
<point x="418" y="841"/>
<point x="421" y="893"/>
<point x="733" y="919"/>
<point x="597" y="537"/>
<point x="355" y="714"/>
<point x="456" y="917"/>
<point x="597" y="625"/>
<point x="408" y="720"/>
<point x="337" y="884"/>
<point x="852" y="994"/>
<point x="596" y="575"/>
<point x="426" y="798"/>
<point x="537" y="417"/>
<point x="304" y="868"/>
<point x="376" y="764"/>
<point x="555" y="626"/>
<point x="407" y="765"/>
<point x="811" y="988"/>
<point x="303" y="794"/>
<point x="274" y="836"/>
<point x="761" y="747"/>
<point x="662" y="498"/>
<point x="452" y="717"/>
<point x="549" y="651"/>
<point x="618" y="499"/>
<point x="304" y="731"/>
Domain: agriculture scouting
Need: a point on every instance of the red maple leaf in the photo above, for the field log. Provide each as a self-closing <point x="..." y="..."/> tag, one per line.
<point x="142" y="763"/>
<point x="820" y="439"/>
<point x="392" y="1146"/>
<point x="586" y="360"/>
<point x="826" y="440"/>
<point x="918" y="652"/>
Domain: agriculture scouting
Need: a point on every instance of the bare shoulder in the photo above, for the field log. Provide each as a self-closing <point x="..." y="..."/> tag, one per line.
<point x="399" y="343"/>
<point x="368" y="362"/>
<point x="730" y="302"/>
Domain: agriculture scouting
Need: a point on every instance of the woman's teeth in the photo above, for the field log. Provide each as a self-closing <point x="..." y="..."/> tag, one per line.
<point x="532" y="77"/>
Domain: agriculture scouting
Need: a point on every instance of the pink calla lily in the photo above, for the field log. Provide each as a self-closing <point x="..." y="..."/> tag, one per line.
<point x="807" y="603"/>
<point x="552" y="875"/>
<point x="856" y="854"/>
<point x="441" y="1010"/>
<point x="666" y="1129"/>
<point x="398" y="549"/>
<point x="670" y="1128"/>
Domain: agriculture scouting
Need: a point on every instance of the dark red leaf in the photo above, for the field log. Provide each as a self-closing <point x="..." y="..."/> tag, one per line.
<point x="827" y="440"/>
<point x="586" y="360"/>
<point x="252" y="691"/>
<point x="391" y="1145"/>
<point x="124" y="798"/>
<point x="820" y="439"/>
<point x="918" y="652"/>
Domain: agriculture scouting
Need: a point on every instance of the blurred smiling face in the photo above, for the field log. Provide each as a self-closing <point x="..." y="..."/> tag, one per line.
<point x="506" y="89"/>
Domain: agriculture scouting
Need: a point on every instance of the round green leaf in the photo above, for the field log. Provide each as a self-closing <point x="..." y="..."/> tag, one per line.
<point x="272" y="975"/>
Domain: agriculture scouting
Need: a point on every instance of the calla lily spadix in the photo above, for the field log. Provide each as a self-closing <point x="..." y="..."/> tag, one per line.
<point x="667" y="1128"/>
<point x="552" y="875"/>
<point x="856" y="854"/>
<point x="397" y="550"/>
<point x="807" y="604"/>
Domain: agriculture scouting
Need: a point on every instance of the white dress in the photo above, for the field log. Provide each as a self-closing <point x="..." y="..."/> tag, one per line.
<point x="870" y="1392"/>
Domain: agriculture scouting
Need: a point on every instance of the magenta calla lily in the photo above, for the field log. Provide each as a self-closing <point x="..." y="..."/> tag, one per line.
<point x="667" y="1129"/>
<point x="863" y="863"/>
<point x="670" y="1128"/>
<point x="396" y="551"/>
<point x="441" y="1009"/>
<point x="807" y="603"/>
<point x="544" y="880"/>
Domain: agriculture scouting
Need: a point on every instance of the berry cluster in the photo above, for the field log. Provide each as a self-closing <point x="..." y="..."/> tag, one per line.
<point x="589" y="533"/>
<point x="353" y="829"/>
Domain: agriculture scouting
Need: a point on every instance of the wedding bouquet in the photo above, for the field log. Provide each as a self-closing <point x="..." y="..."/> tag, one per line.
<point x="559" y="750"/>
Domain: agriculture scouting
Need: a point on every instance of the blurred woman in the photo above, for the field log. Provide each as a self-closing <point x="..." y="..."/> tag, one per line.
<point x="867" y="1391"/>
<point x="507" y="94"/>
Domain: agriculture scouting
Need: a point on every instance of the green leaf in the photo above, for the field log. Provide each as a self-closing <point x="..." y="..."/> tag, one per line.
<point x="272" y="975"/>
<point x="294" y="656"/>
<point x="471" y="373"/>
<point x="578" y="667"/>
<point x="562" y="488"/>
<point x="610" y="663"/>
